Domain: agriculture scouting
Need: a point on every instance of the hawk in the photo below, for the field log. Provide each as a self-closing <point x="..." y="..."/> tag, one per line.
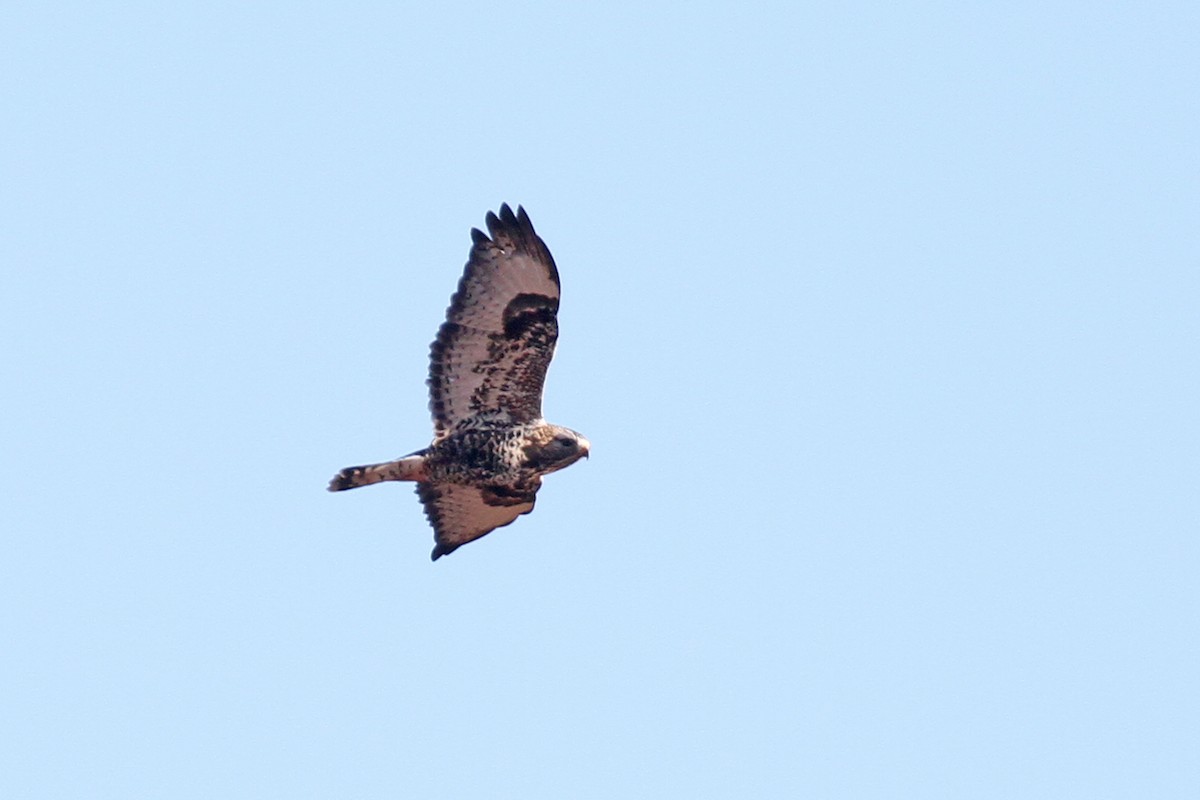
<point x="488" y="364"/>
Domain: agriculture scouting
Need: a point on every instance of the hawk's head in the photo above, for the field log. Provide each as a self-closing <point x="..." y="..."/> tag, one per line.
<point x="552" y="447"/>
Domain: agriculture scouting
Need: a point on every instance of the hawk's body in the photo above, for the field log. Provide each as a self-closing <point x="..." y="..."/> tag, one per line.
<point x="488" y="364"/>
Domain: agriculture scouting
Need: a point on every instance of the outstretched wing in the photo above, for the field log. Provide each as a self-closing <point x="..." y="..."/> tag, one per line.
<point x="461" y="514"/>
<point x="490" y="356"/>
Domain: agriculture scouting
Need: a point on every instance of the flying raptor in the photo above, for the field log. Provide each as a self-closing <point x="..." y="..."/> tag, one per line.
<point x="487" y="368"/>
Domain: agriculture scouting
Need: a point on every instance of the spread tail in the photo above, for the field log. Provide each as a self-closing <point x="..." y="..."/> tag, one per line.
<point x="409" y="468"/>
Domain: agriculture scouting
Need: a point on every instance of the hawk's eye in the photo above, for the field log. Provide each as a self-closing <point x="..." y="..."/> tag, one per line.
<point x="564" y="441"/>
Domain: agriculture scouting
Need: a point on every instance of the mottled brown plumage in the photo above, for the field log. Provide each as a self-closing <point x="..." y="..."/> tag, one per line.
<point x="488" y="364"/>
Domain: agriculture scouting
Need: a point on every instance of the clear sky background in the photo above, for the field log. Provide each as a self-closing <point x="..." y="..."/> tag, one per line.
<point x="882" y="318"/>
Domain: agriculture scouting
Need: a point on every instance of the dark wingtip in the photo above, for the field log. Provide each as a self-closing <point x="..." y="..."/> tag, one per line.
<point x="506" y="221"/>
<point x="505" y="218"/>
<point x="478" y="236"/>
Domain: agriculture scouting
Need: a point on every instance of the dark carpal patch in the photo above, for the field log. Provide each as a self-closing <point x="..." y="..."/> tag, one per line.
<point x="527" y="311"/>
<point x="498" y="495"/>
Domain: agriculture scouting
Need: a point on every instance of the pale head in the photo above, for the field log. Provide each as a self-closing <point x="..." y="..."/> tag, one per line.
<point x="551" y="447"/>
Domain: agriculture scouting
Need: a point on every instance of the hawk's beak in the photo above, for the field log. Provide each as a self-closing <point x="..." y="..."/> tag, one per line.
<point x="585" y="446"/>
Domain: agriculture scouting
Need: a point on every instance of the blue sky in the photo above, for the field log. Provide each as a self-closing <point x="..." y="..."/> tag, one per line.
<point x="881" y="319"/>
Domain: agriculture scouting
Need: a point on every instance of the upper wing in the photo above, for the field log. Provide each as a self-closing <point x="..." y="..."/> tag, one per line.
<point x="461" y="514"/>
<point x="492" y="351"/>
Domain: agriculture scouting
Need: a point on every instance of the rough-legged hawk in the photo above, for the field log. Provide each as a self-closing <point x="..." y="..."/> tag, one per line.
<point x="491" y="446"/>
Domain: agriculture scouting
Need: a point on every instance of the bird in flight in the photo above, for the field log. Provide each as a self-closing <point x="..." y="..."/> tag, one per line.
<point x="487" y="368"/>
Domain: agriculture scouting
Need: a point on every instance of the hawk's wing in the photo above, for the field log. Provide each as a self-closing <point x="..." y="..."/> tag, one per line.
<point x="491" y="353"/>
<point x="461" y="514"/>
